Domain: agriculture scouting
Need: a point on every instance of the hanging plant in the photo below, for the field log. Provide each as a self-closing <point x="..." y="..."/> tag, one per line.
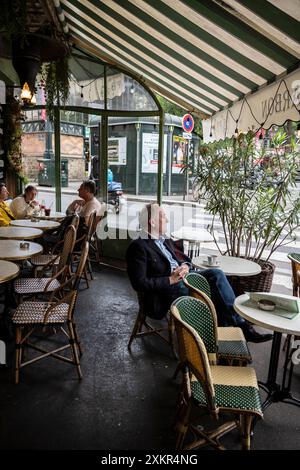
<point x="56" y="76"/>
<point x="13" y="137"/>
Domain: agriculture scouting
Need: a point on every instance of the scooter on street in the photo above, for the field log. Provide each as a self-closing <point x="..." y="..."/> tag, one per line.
<point x="115" y="196"/>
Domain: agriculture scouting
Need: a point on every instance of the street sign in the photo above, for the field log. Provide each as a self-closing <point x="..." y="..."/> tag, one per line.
<point x="188" y="123"/>
<point x="187" y="135"/>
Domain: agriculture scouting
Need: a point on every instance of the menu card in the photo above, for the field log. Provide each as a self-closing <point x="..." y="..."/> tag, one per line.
<point x="287" y="308"/>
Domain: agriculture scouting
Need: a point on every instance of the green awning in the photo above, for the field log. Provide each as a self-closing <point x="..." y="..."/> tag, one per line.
<point x="202" y="54"/>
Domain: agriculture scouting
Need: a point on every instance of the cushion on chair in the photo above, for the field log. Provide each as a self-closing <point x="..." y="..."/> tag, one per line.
<point x="235" y="388"/>
<point x="34" y="312"/>
<point x="34" y="285"/>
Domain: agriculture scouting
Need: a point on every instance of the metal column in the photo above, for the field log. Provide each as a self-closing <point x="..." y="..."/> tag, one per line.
<point x="138" y="157"/>
<point x="160" y="157"/>
<point x="57" y="158"/>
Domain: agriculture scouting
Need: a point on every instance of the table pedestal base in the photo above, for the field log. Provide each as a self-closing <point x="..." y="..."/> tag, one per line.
<point x="276" y="392"/>
<point x="277" y="395"/>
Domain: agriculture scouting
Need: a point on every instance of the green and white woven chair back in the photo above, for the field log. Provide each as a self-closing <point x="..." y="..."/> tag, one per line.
<point x="196" y="314"/>
<point x="199" y="282"/>
<point x="192" y="351"/>
<point x="294" y="257"/>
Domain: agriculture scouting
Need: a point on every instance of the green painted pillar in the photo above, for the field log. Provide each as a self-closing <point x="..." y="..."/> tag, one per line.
<point x="160" y="157"/>
<point x="57" y="158"/>
<point x="104" y="158"/>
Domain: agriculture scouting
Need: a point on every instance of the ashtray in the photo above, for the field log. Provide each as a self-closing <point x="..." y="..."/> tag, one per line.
<point x="265" y="304"/>
<point x="24" y="245"/>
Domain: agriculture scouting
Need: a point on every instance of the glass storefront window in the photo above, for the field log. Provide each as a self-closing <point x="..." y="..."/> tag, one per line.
<point x="125" y="93"/>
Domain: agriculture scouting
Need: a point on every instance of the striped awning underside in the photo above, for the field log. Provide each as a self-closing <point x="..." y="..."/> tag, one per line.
<point x="201" y="54"/>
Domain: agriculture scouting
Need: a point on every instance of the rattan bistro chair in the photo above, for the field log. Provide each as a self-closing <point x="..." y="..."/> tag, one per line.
<point x="231" y="343"/>
<point x="215" y="388"/>
<point x="295" y="260"/>
<point x="142" y="327"/>
<point x="53" y="259"/>
<point x="38" y="285"/>
<point x="91" y="228"/>
<point x="56" y="315"/>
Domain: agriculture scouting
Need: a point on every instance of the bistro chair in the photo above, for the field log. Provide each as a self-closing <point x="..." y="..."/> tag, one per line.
<point x="91" y="228"/>
<point x="213" y="388"/>
<point x="45" y="285"/>
<point x="295" y="260"/>
<point x="56" y="315"/>
<point x="52" y="259"/>
<point x="142" y="326"/>
<point x="231" y="343"/>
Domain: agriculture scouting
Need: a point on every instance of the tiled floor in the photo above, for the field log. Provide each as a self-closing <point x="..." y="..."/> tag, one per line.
<point x="125" y="400"/>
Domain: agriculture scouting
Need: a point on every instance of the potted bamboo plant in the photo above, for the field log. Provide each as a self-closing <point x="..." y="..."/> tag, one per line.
<point x="252" y="193"/>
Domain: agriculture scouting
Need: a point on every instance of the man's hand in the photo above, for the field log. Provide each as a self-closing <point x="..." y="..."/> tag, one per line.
<point x="178" y="274"/>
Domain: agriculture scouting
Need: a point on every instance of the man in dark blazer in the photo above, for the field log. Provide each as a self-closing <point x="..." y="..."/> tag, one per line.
<point x="156" y="267"/>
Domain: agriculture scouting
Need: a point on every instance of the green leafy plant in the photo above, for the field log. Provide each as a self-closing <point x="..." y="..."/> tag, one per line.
<point x="56" y="76"/>
<point x="252" y="192"/>
<point x="13" y="137"/>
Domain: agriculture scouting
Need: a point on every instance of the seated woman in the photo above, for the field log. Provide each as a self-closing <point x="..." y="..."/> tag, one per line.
<point x="5" y="213"/>
<point x="24" y="205"/>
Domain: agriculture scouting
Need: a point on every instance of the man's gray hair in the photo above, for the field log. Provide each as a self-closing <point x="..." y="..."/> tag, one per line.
<point x="146" y="213"/>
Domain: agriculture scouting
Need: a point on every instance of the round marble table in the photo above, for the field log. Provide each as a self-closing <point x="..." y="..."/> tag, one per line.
<point x="194" y="237"/>
<point x="231" y="265"/>
<point x="8" y="271"/>
<point x="10" y="250"/>
<point x="41" y="224"/>
<point x="20" y="233"/>
<point x="57" y="216"/>
<point x="275" y="391"/>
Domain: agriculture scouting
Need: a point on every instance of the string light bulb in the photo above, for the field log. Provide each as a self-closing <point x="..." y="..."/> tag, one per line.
<point x="81" y="94"/>
<point x="236" y="132"/>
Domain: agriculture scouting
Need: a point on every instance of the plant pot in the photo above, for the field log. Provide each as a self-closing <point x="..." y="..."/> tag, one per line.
<point x="261" y="282"/>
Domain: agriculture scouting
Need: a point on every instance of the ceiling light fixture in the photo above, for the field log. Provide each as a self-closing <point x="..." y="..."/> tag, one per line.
<point x="26" y="95"/>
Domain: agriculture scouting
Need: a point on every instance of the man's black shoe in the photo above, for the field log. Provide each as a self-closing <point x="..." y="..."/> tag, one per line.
<point x="255" y="337"/>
